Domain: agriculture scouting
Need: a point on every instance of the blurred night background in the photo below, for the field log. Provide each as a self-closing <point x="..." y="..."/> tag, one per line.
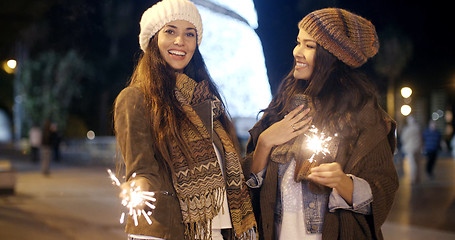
<point x="73" y="57"/>
<point x="65" y="61"/>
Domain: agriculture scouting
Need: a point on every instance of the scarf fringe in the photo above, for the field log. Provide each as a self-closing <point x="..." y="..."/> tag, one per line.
<point x="198" y="230"/>
<point x="207" y="206"/>
<point x="204" y="232"/>
<point x="250" y="234"/>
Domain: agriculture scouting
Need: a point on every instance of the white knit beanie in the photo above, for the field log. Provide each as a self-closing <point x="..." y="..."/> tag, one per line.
<point x="164" y="12"/>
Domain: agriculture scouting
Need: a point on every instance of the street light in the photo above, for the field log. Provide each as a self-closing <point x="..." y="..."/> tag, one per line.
<point x="406" y="92"/>
<point x="406" y="110"/>
<point x="11" y="63"/>
<point x="9" y="66"/>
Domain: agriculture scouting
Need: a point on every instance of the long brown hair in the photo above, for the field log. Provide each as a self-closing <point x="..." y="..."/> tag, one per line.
<point x="337" y="91"/>
<point x="157" y="80"/>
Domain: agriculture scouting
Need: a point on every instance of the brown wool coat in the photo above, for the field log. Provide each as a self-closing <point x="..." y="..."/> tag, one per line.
<point x="134" y="138"/>
<point x="371" y="159"/>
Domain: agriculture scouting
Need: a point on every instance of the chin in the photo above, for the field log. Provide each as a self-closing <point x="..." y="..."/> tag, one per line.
<point x="178" y="68"/>
<point x="300" y="77"/>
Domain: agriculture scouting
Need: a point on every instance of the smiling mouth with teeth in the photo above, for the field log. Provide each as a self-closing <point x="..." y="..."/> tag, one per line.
<point x="299" y="64"/>
<point x="177" y="53"/>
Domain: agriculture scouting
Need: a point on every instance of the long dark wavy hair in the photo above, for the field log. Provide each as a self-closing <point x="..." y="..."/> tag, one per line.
<point x="157" y="80"/>
<point x="338" y="92"/>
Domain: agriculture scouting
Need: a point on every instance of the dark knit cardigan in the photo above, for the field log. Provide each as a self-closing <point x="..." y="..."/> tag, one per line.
<point x="371" y="159"/>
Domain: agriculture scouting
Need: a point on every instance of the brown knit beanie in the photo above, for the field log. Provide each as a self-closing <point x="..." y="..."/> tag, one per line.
<point x="351" y="38"/>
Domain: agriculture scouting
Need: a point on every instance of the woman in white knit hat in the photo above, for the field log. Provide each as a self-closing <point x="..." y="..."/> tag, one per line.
<point x="175" y="137"/>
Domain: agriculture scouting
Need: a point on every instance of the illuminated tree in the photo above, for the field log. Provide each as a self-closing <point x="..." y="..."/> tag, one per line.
<point x="48" y="84"/>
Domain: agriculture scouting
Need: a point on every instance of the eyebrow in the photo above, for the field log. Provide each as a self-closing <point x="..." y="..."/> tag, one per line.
<point x="172" y="26"/>
<point x="306" y="40"/>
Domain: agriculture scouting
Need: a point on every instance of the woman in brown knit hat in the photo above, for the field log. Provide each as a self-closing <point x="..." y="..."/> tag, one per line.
<point x="320" y="160"/>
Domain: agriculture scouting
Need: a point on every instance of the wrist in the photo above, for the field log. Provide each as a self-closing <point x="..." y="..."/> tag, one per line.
<point x="264" y="143"/>
<point x="345" y="188"/>
<point x="261" y="155"/>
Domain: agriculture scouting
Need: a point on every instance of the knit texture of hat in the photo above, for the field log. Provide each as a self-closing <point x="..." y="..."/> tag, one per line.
<point x="351" y="38"/>
<point x="164" y="12"/>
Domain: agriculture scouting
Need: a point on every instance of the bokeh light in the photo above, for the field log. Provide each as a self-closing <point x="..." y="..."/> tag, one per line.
<point x="406" y="110"/>
<point x="91" y="135"/>
<point x="406" y="92"/>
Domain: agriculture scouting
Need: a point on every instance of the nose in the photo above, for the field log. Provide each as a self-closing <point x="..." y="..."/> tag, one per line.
<point x="298" y="52"/>
<point x="178" y="41"/>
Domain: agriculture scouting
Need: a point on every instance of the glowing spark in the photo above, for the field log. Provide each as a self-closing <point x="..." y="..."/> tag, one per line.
<point x="122" y="218"/>
<point x="134" y="200"/>
<point x="135" y="218"/>
<point x="114" y="179"/>
<point x="146" y="216"/>
<point x="318" y="143"/>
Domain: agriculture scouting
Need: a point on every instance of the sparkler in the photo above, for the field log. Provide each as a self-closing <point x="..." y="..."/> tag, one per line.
<point x="318" y="143"/>
<point x="134" y="199"/>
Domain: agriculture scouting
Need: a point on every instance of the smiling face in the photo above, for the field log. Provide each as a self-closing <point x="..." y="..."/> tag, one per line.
<point x="304" y="55"/>
<point x="177" y="43"/>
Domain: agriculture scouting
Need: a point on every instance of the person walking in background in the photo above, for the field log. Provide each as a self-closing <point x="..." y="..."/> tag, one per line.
<point x="34" y="135"/>
<point x="46" y="148"/>
<point x="176" y="138"/>
<point x="452" y="146"/>
<point x="347" y="192"/>
<point x="55" y="142"/>
<point x="411" y="139"/>
<point x="432" y="142"/>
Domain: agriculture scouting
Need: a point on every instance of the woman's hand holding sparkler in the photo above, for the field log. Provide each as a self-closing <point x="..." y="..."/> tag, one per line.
<point x="331" y="175"/>
<point x="136" y="184"/>
<point x="134" y="197"/>
<point x="279" y="133"/>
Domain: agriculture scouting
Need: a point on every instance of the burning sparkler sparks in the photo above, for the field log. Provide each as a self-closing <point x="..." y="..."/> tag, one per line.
<point x="134" y="200"/>
<point x="318" y="143"/>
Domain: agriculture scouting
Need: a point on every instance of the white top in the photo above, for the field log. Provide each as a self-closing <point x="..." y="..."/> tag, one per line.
<point x="293" y="218"/>
<point x="223" y="219"/>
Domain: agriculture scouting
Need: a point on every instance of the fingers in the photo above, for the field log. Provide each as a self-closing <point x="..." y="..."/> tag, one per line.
<point x="300" y="129"/>
<point x="288" y="128"/>
<point x="296" y="116"/>
<point x="294" y="112"/>
<point x="300" y="115"/>
<point x="328" y="174"/>
<point x="324" y="178"/>
<point x="327" y="167"/>
<point x="303" y="123"/>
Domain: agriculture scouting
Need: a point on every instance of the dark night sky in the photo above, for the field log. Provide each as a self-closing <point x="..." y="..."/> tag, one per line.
<point x="427" y="24"/>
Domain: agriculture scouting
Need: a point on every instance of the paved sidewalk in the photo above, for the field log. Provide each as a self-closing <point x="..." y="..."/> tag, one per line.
<point x="80" y="203"/>
<point x="73" y="203"/>
<point x="425" y="210"/>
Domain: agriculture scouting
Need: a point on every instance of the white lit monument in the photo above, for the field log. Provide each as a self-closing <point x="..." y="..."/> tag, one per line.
<point x="233" y="53"/>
